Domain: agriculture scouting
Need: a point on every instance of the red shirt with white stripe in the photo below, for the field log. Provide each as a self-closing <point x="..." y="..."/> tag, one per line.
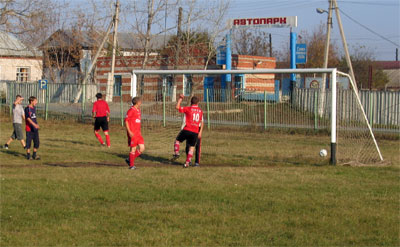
<point x="193" y="117"/>
<point x="101" y="108"/>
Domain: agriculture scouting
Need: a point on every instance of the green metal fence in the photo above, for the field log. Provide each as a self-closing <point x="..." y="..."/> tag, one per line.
<point x="260" y="111"/>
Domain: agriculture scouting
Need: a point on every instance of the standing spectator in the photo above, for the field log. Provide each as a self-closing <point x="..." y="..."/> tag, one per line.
<point x="18" y="116"/>
<point x="32" y="129"/>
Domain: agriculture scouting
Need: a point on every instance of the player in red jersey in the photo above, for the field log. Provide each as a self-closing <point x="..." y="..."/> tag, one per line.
<point x="101" y="115"/>
<point x="193" y="127"/>
<point x="197" y="150"/>
<point x="132" y="124"/>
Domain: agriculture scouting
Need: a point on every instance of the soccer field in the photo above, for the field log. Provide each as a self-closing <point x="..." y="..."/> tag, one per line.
<point x="249" y="191"/>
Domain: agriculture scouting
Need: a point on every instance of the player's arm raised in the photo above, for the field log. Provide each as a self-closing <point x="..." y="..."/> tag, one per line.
<point x="178" y="104"/>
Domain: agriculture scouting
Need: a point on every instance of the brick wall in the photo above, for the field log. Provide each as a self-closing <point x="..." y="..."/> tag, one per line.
<point x="258" y="82"/>
<point x="152" y="84"/>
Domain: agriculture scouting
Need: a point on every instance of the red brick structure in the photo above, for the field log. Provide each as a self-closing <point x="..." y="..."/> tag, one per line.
<point x="153" y="84"/>
<point x="259" y="82"/>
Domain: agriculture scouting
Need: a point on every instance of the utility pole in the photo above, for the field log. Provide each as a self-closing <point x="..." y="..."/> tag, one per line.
<point x="346" y="50"/>
<point x="110" y="81"/>
<point x="326" y="56"/>
<point x="89" y="70"/>
<point x="165" y="24"/>
<point x="397" y="54"/>
<point x="178" y="50"/>
<point x="270" y="45"/>
<point x="178" y="38"/>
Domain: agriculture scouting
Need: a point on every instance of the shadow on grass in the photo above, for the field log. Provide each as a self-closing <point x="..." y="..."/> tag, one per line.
<point x="158" y="159"/>
<point x="69" y="141"/>
<point x="150" y="158"/>
<point x="82" y="164"/>
<point x="13" y="153"/>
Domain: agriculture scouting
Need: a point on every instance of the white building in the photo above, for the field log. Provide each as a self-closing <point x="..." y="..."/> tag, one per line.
<point x="17" y="61"/>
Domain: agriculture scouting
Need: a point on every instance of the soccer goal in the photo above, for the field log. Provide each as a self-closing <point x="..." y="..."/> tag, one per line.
<point x="264" y="107"/>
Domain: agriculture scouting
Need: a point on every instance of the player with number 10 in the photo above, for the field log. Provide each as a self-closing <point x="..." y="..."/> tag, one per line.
<point x="193" y="128"/>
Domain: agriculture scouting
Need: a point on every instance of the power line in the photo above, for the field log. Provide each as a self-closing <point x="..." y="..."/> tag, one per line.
<point x="369" y="29"/>
<point x="388" y="3"/>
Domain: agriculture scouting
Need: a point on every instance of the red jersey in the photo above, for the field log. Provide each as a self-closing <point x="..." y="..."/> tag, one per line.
<point x="193" y="117"/>
<point x="134" y="118"/>
<point x="101" y="108"/>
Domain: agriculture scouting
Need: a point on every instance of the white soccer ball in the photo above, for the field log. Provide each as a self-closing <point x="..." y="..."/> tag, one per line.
<point x="323" y="153"/>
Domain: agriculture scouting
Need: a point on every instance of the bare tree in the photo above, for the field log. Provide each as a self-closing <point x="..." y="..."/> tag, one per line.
<point x="247" y="42"/>
<point x="20" y="16"/>
<point x="146" y="16"/>
<point x="315" y="49"/>
<point x="367" y="72"/>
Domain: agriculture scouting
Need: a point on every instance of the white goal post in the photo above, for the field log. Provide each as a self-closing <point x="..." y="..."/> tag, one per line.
<point x="331" y="71"/>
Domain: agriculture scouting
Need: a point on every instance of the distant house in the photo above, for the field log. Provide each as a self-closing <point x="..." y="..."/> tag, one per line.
<point x="17" y="61"/>
<point x="67" y="54"/>
<point x="392" y="70"/>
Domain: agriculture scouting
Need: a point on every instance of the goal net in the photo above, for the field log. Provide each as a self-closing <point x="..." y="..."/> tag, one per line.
<point x="258" y="117"/>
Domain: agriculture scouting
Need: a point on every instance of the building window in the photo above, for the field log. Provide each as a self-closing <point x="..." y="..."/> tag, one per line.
<point x="22" y="74"/>
<point x="187" y="85"/>
<point x="240" y="82"/>
<point x="169" y="85"/>
<point x="117" y="85"/>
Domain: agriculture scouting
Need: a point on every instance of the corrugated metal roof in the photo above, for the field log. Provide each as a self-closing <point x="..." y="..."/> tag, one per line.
<point x="394" y="78"/>
<point x="388" y="64"/>
<point x="12" y="47"/>
<point x="68" y="38"/>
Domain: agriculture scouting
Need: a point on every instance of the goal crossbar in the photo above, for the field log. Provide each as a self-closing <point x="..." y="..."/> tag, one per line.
<point x="248" y="71"/>
<point x="332" y="71"/>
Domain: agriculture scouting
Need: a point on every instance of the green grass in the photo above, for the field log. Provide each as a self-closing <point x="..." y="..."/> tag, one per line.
<point x="251" y="191"/>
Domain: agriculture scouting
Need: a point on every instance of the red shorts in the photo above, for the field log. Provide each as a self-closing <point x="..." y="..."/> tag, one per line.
<point x="136" y="140"/>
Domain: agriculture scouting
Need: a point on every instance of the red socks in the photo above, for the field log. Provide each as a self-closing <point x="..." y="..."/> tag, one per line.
<point x="108" y="140"/>
<point x="131" y="159"/>
<point x="133" y="156"/>
<point x="189" y="157"/>
<point x="176" y="147"/>
<point x="99" y="138"/>
<point x="137" y="153"/>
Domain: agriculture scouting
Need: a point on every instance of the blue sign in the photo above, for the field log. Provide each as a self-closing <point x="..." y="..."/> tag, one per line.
<point x="43" y="84"/>
<point x="221" y="55"/>
<point x="301" y="53"/>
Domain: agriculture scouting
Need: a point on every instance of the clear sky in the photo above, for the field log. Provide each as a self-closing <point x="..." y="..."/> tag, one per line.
<point x="381" y="16"/>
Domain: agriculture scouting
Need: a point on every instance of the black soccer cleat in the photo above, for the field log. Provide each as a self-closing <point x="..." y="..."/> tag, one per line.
<point x="175" y="157"/>
<point x="36" y="158"/>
